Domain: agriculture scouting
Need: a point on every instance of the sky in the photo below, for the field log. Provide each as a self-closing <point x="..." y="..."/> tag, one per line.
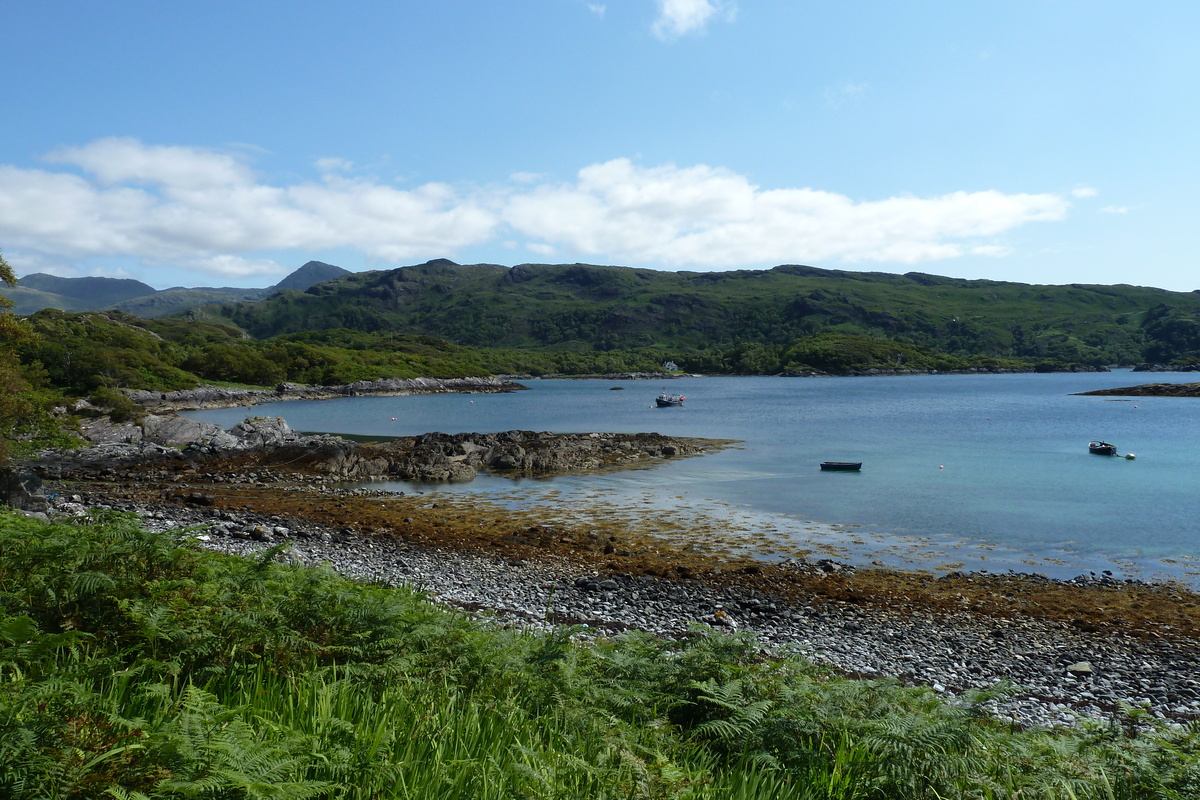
<point x="226" y="143"/>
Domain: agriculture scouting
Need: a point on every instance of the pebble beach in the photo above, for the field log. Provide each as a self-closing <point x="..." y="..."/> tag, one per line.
<point x="1057" y="672"/>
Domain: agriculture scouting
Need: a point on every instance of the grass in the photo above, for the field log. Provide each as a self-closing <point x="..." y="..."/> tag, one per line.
<point x="133" y="665"/>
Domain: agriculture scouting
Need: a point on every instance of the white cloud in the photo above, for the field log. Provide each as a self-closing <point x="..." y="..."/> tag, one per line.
<point x="597" y="8"/>
<point x="712" y="218"/>
<point x="233" y="266"/>
<point x="194" y="208"/>
<point x="680" y="17"/>
<point x="1084" y="191"/>
<point x="123" y="160"/>
<point x="178" y="204"/>
<point x="1115" y="210"/>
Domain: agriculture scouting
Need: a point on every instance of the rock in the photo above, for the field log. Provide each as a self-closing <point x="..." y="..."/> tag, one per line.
<point x="22" y="489"/>
<point x="1080" y="669"/>
<point x="102" y="430"/>
<point x="262" y="433"/>
<point x="173" y="431"/>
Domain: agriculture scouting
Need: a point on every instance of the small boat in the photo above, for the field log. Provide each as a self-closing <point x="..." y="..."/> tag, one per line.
<point x="664" y="399"/>
<point x="1102" y="448"/>
<point x="841" y="466"/>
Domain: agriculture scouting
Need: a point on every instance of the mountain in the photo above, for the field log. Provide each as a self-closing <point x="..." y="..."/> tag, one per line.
<point x="579" y="307"/>
<point x="98" y="290"/>
<point x="179" y="298"/>
<point x="312" y="273"/>
<point x="35" y="292"/>
<point x="38" y="291"/>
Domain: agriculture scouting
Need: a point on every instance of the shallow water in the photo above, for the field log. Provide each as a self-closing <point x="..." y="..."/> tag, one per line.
<point x="975" y="472"/>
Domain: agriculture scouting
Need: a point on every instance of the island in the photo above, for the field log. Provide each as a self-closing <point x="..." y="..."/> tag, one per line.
<point x="1150" y="390"/>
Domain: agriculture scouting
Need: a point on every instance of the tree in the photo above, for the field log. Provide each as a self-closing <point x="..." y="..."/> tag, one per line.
<point x="13" y="386"/>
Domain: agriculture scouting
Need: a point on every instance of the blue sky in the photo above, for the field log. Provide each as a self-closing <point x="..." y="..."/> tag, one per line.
<point x="227" y="143"/>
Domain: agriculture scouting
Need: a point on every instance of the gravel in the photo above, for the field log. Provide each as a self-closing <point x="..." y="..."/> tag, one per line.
<point x="1059" y="675"/>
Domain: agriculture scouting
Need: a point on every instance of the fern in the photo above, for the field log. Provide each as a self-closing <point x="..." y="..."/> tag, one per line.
<point x="730" y="718"/>
<point x="212" y="749"/>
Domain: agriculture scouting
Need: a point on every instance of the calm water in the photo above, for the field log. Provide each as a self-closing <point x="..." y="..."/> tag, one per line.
<point x="987" y="471"/>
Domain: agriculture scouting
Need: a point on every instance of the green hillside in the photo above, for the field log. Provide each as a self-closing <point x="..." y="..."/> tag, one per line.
<point x="36" y="292"/>
<point x="585" y="307"/>
<point x="174" y="300"/>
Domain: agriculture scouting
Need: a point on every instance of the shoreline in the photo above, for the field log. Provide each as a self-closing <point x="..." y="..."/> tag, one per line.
<point x="213" y="397"/>
<point x="1083" y="648"/>
<point x="209" y="397"/>
<point x="1086" y="647"/>
<point x="1148" y="390"/>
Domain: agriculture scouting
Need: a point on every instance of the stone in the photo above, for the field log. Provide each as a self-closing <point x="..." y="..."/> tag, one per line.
<point x="173" y="431"/>
<point x="22" y="489"/>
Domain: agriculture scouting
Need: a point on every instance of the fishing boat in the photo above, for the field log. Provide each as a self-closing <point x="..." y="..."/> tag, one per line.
<point x="1102" y="448"/>
<point x="841" y="466"/>
<point x="664" y="399"/>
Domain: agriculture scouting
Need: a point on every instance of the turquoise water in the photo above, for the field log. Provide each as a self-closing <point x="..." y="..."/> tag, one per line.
<point x="975" y="472"/>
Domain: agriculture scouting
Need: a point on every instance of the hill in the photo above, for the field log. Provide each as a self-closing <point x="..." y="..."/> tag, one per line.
<point x="310" y="274"/>
<point x="582" y="307"/>
<point x="38" y="291"/>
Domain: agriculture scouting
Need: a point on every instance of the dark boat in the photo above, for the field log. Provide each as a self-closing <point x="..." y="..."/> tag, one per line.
<point x="664" y="399"/>
<point x="841" y="466"/>
<point x="1102" y="448"/>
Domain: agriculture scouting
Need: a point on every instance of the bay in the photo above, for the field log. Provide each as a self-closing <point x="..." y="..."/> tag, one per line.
<point x="959" y="471"/>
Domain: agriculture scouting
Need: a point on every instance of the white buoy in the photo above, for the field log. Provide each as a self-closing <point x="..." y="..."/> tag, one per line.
<point x="1130" y="456"/>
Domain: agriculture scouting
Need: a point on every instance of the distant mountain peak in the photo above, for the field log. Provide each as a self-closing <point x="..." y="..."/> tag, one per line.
<point x="95" y="289"/>
<point x="310" y="274"/>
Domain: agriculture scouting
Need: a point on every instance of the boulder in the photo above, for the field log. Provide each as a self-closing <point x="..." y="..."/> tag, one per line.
<point x="102" y="430"/>
<point x="173" y="431"/>
<point x="263" y="433"/>
<point x="22" y="489"/>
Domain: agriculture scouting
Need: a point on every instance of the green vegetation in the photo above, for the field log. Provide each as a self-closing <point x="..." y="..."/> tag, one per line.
<point x="442" y="320"/>
<point x="133" y="665"/>
<point x="582" y="307"/>
<point x="24" y="401"/>
<point x="82" y="352"/>
<point x="839" y="353"/>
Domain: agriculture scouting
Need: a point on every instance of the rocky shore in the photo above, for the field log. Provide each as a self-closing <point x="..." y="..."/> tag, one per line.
<point x="161" y="447"/>
<point x="1059" y="672"/>
<point x="218" y="397"/>
<point x="1150" y="390"/>
<point x="1088" y="648"/>
<point x="877" y="371"/>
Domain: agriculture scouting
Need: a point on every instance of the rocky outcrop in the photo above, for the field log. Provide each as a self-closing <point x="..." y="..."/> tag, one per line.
<point x="438" y="456"/>
<point x="880" y="371"/>
<point x="268" y="443"/>
<point x="218" y="397"/>
<point x="441" y="457"/>
<point x="1167" y="368"/>
<point x="1151" y="390"/>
